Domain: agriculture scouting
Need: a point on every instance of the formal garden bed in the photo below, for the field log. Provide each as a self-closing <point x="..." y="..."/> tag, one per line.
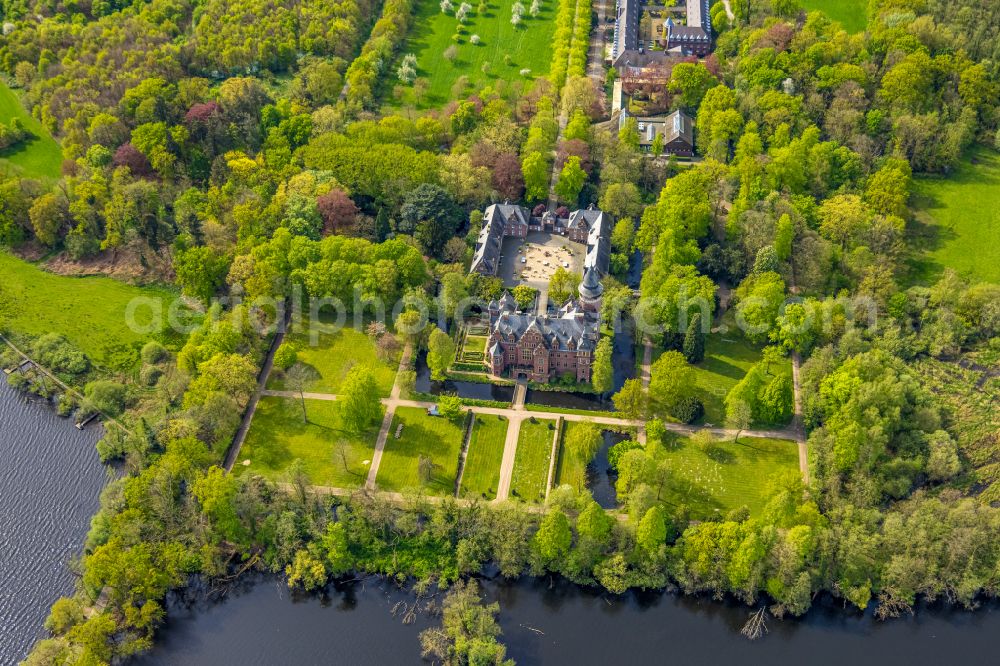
<point x="531" y="464"/>
<point x="484" y="457"/>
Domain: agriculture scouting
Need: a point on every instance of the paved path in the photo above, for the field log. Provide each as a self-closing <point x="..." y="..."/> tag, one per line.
<point x="543" y="299"/>
<point x="509" y="448"/>
<point x="595" y="56"/>
<point x="797" y="425"/>
<point x="647" y="361"/>
<point x="295" y="394"/>
<point x="520" y="393"/>
<point x="390" y="412"/>
<point x="265" y="371"/>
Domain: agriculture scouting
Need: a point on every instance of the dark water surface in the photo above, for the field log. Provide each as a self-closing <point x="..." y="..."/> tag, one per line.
<point x="561" y="624"/>
<point x="50" y="482"/>
<point x="600" y="477"/>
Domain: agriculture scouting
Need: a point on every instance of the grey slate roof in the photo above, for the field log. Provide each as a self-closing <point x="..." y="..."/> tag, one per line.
<point x="486" y="258"/>
<point x="626" y="36"/>
<point x="591" y="286"/>
<point x="598" y="238"/>
<point x="558" y="332"/>
<point x="679" y="125"/>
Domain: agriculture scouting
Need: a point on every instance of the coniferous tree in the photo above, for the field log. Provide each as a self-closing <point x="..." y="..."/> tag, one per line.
<point x="694" y="340"/>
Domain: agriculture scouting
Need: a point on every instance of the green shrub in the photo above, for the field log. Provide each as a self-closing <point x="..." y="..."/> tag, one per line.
<point x="153" y="352"/>
<point x="106" y="396"/>
<point x="285" y="356"/>
<point x="56" y="353"/>
<point x="66" y="404"/>
<point x="18" y="382"/>
<point x="688" y="410"/>
<point x="149" y="375"/>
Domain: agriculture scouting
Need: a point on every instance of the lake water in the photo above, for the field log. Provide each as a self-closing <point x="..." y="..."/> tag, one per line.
<point x="51" y="482"/>
<point x="551" y="622"/>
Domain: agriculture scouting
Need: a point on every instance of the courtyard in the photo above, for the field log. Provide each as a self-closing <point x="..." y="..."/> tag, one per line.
<point x="542" y="253"/>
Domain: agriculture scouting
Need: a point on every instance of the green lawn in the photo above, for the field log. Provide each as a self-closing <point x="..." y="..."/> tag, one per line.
<point x="531" y="464"/>
<point x="334" y="354"/>
<point x="39" y="157"/>
<point x="568" y="410"/>
<point x="957" y="221"/>
<point x="529" y="47"/>
<point x="430" y="436"/>
<point x="728" y="356"/>
<point x="91" y="312"/>
<point x="726" y="476"/>
<point x="278" y="436"/>
<point x="482" y="462"/>
<point x="570" y="469"/>
<point x="852" y="14"/>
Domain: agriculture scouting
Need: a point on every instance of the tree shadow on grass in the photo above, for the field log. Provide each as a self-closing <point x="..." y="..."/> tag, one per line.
<point x="718" y="366"/>
<point x="721" y="455"/>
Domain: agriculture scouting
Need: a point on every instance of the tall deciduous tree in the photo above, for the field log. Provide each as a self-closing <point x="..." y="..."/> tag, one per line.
<point x="440" y="354"/>
<point x="571" y="180"/>
<point x="671" y="379"/>
<point x="359" y="400"/>
<point x="631" y="400"/>
<point x="602" y="375"/>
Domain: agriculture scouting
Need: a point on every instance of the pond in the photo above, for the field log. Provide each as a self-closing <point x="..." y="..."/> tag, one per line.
<point x="600" y="477"/>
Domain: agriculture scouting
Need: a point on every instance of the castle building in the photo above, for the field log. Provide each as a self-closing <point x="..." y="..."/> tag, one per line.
<point x="543" y="348"/>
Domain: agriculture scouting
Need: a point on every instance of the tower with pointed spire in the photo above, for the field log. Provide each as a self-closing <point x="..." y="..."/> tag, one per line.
<point x="591" y="290"/>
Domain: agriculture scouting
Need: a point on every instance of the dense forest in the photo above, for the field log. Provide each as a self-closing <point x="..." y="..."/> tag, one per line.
<point x="244" y="142"/>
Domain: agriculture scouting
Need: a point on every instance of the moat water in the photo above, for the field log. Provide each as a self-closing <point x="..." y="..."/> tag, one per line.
<point x="50" y="483"/>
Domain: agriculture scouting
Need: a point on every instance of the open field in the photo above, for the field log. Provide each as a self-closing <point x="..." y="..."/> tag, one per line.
<point x="969" y="395"/>
<point x="433" y="437"/>
<point x="39" y="157"/>
<point x="482" y="463"/>
<point x="570" y="469"/>
<point x="330" y="455"/>
<point x="957" y="221"/>
<point x="727" y="475"/>
<point x="90" y="312"/>
<point x="728" y="356"/>
<point x="531" y="464"/>
<point x="528" y="45"/>
<point x="852" y="14"/>
<point x="334" y="355"/>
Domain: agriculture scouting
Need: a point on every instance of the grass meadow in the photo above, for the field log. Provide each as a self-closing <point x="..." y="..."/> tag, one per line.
<point x="434" y="437"/>
<point x="570" y="469"/>
<point x="728" y="356"/>
<point x="852" y="14"/>
<point x="90" y="312"/>
<point x="39" y="157"/>
<point x="331" y="456"/>
<point x="335" y="353"/>
<point x="957" y="221"/>
<point x="529" y="46"/>
<point x="726" y="475"/>
<point x="531" y="464"/>
<point x="482" y="462"/>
